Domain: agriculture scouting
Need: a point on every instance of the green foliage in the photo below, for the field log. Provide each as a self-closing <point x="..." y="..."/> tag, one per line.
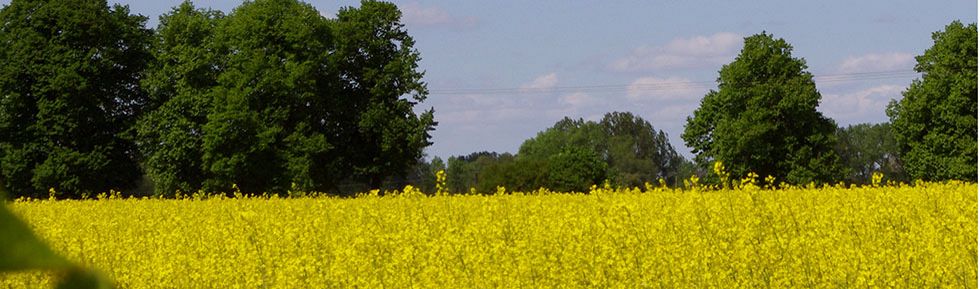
<point x="470" y="171"/>
<point x="572" y="155"/>
<point x="935" y="123"/>
<point x="485" y="171"/>
<point x="633" y="151"/>
<point x="268" y="127"/>
<point x="459" y="175"/>
<point x="275" y="97"/>
<point x="575" y="169"/>
<point x="565" y="133"/>
<point x="422" y="175"/>
<point x="69" y="94"/>
<point x="685" y="169"/>
<point x="865" y="149"/>
<point x="763" y="118"/>
<point x="78" y="278"/>
<point x="636" y="153"/>
<point x="178" y="83"/>
<point x="515" y="174"/>
<point x="380" y="84"/>
<point x="21" y="250"/>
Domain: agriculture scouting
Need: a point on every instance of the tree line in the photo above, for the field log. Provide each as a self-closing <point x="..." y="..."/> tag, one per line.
<point x="269" y="98"/>
<point x="274" y="97"/>
<point x="573" y="155"/>
<point x="761" y="119"/>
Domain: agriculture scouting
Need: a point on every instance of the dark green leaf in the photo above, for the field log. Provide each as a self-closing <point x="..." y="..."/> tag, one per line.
<point x="83" y="279"/>
<point x="20" y="249"/>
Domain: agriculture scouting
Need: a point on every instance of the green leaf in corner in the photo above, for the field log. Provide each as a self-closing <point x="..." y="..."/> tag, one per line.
<point x="83" y="279"/>
<point x="20" y="249"/>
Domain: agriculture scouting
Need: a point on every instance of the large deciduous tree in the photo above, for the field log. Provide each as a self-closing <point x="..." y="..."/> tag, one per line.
<point x="763" y="118"/>
<point x="380" y="85"/>
<point x="935" y="123"/>
<point x="69" y="95"/>
<point x="274" y="106"/>
<point x="170" y="137"/>
<point x="275" y="97"/>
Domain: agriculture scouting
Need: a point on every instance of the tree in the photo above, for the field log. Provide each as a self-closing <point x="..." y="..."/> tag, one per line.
<point x="560" y="158"/>
<point x="763" y="118"/>
<point x="575" y="169"/>
<point x="485" y="171"/>
<point x="170" y="136"/>
<point x="935" y="123"/>
<point x="565" y="133"/>
<point x="865" y="149"/>
<point x="465" y="172"/>
<point x="69" y="96"/>
<point x="379" y="88"/>
<point x="572" y="155"/>
<point x="631" y="149"/>
<point x="636" y="152"/>
<point x="422" y="176"/>
<point x="514" y="174"/>
<point x="274" y="106"/>
<point x="275" y="97"/>
<point x="685" y="169"/>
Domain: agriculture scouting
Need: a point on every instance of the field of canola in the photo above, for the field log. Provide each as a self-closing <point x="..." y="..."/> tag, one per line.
<point x="906" y="236"/>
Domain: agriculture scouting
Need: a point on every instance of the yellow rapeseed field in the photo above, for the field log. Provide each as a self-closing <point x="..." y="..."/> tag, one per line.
<point x="913" y="236"/>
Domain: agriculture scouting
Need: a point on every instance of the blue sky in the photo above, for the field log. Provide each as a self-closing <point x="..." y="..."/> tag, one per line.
<point x="500" y="71"/>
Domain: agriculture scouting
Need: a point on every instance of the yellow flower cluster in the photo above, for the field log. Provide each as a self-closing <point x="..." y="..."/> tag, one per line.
<point x="921" y="236"/>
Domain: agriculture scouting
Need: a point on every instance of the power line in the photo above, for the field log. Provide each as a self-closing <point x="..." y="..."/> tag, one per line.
<point x="667" y="85"/>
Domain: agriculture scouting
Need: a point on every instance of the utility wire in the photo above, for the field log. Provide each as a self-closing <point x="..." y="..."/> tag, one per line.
<point x="668" y="85"/>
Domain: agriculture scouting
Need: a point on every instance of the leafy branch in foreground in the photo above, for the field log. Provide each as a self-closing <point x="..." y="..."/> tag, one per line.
<point x="21" y="250"/>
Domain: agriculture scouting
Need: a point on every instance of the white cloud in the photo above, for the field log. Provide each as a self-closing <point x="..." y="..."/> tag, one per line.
<point x="484" y="109"/>
<point x="579" y="103"/>
<point x="544" y="82"/>
<point x="673" y="117"/>
<point x="665" y="89"/>
<point x="866" y="105"/>
<point x="414" y="14"/>
<point x="693" y="52"/>
<point x="485" y="115"/>
<point x="578" y="99"/>
<point x="877" y="62"/>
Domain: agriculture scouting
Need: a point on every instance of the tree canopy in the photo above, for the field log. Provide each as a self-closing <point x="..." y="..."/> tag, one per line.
<point x="573" y="155"/>
<point x="179" y="82"/>
<point x="935" y="122"/>
<point x="763" y="118"/>
<point x="275" y="97"/>
<point x="380" y="84"/>
<point x="868" y="148"/>
<point x="269" y="126"/>
<point x="69" y="95"/>
<point x="637" y="153"/>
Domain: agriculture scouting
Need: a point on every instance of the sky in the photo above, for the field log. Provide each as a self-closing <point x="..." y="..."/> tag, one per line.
<point x="498" y="72"/>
